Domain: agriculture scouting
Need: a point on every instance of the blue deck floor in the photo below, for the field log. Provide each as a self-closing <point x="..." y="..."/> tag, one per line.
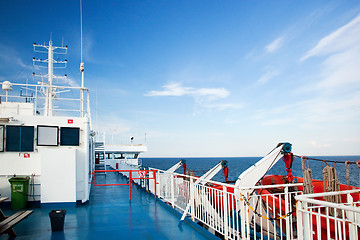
<point x="110" y="215"/>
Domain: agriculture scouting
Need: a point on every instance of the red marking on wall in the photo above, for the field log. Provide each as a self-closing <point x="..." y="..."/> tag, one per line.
<point x="70" y="121"/>
<point x="26" y="155"/>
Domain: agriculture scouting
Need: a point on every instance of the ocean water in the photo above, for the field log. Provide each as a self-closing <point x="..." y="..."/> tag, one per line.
<point x="237" y="165"/>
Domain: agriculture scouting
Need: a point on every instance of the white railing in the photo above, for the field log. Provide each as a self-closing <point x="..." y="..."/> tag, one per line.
<point x="62" y="105"/>
<point x="246" y="213"/>
<point x="320" y="219"/>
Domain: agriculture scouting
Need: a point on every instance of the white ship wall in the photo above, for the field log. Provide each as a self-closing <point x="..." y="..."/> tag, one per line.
<point x="61" y="172"/>
<point x="57" y="188"/>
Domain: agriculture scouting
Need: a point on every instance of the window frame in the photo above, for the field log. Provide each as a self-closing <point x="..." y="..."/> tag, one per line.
<point x="61" y="136"/>
<point x="47" y="126"/>
<point x="2" y="138"/>
<point x="20" y="139"/>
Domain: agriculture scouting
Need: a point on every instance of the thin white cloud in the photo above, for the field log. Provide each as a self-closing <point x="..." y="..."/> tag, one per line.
<point x="10" y="55"/>
<point x="315" y="144"/>
<point x="336" y="81"/>
<point x="223" y="106"/>
<point x="277" y="121"/>
<point x="314" y="113"/>
<point x="113" y="125"/>
<point x="88" y="48"/>
<point x="342" y="70"/>
<point x="331" y="109"/>
<point x="72" y="82"/>
<point x="353" y="139"/>
<point x="275" y="45"/>
<point x="337" y="41"/>
<point x="206" y="99"/>
<point x="172" y="89"/>
<point x="177" y="90"/>
<point x="267" y="76"/>
<point x="336" y="84"/>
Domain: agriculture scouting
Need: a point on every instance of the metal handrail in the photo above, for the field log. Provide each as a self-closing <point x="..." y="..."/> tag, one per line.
<point x="308" y="198"/>
<point x="232" y="185"/>
<point x="36" y="98"/>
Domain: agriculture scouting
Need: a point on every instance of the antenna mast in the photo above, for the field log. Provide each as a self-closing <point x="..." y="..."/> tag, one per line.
<point x="81" y="64"/>
<point x="49" y="89"/>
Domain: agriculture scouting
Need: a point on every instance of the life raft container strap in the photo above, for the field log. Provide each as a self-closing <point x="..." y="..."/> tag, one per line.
<point x="265" y="217"/>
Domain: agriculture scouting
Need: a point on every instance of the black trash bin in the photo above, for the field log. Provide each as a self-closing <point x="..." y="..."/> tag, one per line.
<point x="57" y="218"/>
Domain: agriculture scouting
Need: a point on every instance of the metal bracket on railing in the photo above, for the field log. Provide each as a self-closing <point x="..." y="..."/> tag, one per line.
<point x="204" y="178"/>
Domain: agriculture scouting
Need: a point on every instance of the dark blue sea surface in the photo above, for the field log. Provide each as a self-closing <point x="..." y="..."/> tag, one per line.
<point x="237" y="165"/>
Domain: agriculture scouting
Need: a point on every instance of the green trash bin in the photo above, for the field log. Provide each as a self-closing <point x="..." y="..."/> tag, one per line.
<point x="19" y="192"/>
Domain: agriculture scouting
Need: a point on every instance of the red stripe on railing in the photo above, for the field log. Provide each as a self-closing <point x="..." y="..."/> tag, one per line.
<point x="130" y="178"/>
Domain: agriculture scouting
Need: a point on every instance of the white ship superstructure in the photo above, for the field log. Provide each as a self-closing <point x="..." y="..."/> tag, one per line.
<point x="47" y="136"/>
<point x="114" y="155"/>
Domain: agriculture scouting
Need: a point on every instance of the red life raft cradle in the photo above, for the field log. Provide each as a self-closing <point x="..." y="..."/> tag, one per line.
<point x="278" y="204"/>
<point x="273" y="198"/>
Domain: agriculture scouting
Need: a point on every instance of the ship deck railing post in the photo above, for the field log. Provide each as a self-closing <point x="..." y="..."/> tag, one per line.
<point x="352" y="217"/>
<point x="306" y="220"/>
<point x="237" y="210"/>
<point x="299" y="214"/>
<point x="287" y="209"/>
<point x="318" y="226"/>
<point x="130" y="180"/>
<point x="192" y="207"/>
<point x="155" y="181"/>
<point x="172" y="182"/>
<point x="247" y="214"/>
<point x="242" y="215"/>
<point x="226" y="226"/>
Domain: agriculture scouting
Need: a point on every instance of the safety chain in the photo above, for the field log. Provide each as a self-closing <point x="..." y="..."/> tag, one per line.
<point x="347" y="174"/>
<point x="326" y="161"/>
<point x="267" y="218"/>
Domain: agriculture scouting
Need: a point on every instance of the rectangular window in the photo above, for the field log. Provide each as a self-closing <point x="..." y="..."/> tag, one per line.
<point x="118" y="156"/>
<point x="19" y="138"/>
<point x="69" y="136"/>
<point x="47" y="135"/>
<point x="2" y="132"/>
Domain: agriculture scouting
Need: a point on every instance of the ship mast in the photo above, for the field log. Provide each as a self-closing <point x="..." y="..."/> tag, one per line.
<point x="49" y="89"/>
<point x="81" y="64"/>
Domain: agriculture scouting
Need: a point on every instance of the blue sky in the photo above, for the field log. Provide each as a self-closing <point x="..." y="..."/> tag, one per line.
<point x="204" y="78"/>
